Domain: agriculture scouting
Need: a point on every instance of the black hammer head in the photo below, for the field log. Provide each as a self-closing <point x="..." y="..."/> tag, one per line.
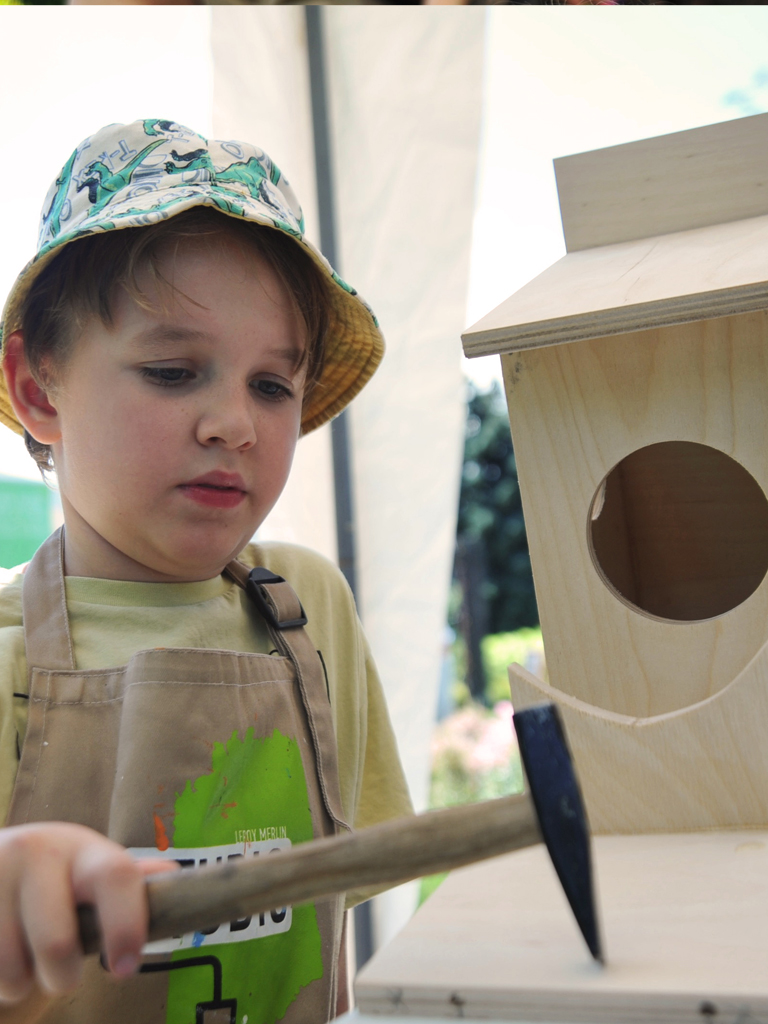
<point x="562" y="819"/>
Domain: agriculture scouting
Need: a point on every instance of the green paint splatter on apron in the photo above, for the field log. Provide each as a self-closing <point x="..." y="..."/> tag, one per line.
<point x="254" y="784"/>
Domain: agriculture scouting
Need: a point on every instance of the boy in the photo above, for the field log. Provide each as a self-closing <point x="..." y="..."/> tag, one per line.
<point x="163" y="351"/>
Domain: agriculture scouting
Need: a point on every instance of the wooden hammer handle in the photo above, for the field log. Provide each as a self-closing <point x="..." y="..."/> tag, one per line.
<point x="393" y="852"/>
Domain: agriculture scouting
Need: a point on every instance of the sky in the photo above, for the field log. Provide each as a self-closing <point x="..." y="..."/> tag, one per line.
<point x="65" y="72"/>
<point x="558" y="80"/>
<point x="571" y="79"/>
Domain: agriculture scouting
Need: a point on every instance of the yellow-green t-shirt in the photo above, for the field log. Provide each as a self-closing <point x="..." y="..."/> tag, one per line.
<point x="112" y="619"/>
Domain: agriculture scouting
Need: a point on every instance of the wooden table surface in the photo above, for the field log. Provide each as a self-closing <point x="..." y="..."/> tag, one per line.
<point x="355" y="1017"/>
<point x="685" y="933"/>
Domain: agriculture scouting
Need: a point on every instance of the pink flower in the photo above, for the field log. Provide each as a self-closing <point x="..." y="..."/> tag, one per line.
<point x="481" y="740"/>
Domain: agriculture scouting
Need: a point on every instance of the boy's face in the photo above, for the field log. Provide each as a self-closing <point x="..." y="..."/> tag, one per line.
<point x="178" y="424"/>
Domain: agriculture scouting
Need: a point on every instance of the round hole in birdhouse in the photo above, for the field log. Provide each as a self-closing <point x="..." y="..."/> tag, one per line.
<point x="679" y="531"/>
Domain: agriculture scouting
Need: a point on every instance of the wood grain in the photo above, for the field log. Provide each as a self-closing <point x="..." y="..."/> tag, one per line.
<point x="631" y="286"/>
<point x="682" y="531"/>
<point x="685" y="919"/>
<point x="705" y="766"/>
<point x="669" y="183"/>
<point x="578" y="410"/>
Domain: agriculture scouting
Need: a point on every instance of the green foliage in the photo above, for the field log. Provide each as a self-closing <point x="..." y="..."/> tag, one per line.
<point x="524" y="646"/>
<point x="474" y="752"/>
<point x="474" y="757"/>
<point x="428" y="885"/>
<point x="491" y="513"/>
<point x="26" y="508"/>
<point x="499" y="650"/>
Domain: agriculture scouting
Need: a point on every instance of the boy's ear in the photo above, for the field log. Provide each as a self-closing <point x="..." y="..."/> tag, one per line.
<point x="29" y="400"/>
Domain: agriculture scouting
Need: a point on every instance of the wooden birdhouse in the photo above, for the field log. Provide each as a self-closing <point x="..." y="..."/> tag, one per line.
<point x="636" y="372"/>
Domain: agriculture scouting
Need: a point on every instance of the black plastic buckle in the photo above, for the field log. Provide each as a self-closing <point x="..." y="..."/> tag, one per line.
<point x="257" y="578"/>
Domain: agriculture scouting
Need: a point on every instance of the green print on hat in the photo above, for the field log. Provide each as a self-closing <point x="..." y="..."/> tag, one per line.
<point x="129" y="176"/>
<point x="254" y="783"/>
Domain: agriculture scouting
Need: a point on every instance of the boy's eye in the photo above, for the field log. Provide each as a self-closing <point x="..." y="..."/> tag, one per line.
<point x="165" y="375"/>
<point x="271" y="389"/>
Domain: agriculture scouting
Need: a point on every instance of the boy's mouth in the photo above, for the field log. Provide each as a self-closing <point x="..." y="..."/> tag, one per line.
<point x="217" y="489"/>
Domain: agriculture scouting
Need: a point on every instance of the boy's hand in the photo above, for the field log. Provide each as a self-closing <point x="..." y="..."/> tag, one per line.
<point x="46" y="869"/>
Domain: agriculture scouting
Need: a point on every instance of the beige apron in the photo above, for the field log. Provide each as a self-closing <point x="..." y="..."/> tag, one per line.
<point x="202" y="755"/>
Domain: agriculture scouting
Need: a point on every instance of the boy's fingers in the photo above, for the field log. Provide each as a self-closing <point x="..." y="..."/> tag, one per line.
<point x="16" y="967"/>
<point x="45" y="870"/>
<point x="113" y="882"/>
<point x="157" y="867"/>
<point x="48" y="917"/>
<point x="16" y="975"/>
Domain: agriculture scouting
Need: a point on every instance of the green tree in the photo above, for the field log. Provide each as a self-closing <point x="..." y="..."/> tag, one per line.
<point x="493" y="567"/>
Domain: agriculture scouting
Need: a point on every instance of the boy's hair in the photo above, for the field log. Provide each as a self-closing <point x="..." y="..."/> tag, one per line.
<point x="81" y="284"/>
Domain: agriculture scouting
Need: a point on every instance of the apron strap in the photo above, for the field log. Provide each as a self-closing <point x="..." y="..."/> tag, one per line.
<point x="48" y="643"/>
<point x="278" y="603"/>
<point x="47" y="638"/>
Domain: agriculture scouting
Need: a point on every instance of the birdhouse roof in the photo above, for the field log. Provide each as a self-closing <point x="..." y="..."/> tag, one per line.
<point x="658" y="232"/>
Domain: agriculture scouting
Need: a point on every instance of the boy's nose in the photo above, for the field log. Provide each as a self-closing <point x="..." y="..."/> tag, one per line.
<point x="228" y="423"/>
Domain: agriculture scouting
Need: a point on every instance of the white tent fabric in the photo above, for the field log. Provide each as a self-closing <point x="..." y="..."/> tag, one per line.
<point x="261" y="95"/>
<point x="405" y="102"/>
<point x="405" y="111"/>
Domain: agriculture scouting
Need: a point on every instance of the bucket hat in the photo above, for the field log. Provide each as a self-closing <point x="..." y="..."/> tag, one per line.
<point x="128" y="176"/>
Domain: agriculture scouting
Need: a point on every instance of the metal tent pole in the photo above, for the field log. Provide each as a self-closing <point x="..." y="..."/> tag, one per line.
<point x="340" y="440"/>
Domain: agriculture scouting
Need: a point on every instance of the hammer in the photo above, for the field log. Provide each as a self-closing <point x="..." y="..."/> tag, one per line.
<point x="397" y="851"/>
